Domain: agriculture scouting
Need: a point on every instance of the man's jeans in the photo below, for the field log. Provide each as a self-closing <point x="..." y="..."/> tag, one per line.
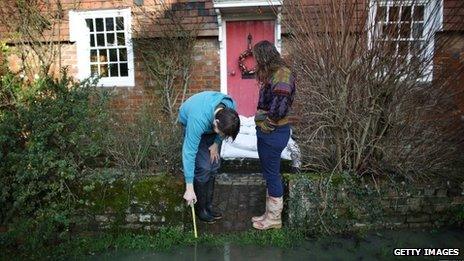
<point x="204" y="169"/>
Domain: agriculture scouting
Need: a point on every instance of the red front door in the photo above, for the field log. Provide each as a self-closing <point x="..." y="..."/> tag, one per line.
<point x="244" y="90"/>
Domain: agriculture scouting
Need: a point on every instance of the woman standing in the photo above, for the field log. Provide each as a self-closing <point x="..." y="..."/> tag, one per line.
<point x="272" y="128"/>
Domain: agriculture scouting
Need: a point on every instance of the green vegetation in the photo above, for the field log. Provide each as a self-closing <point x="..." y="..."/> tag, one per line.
<point x="166" y="239"/>
<point x="50" y="131"/>
<point x="329" y="203"/>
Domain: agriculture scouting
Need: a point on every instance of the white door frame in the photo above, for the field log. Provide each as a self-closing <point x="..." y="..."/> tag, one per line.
<point x="222" y="36"/>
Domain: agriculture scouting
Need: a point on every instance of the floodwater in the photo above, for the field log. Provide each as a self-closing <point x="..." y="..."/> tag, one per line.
<point x="378" y="245"/>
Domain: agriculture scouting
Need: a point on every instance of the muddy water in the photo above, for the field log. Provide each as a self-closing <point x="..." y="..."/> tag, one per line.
<point x="374" y="246"/>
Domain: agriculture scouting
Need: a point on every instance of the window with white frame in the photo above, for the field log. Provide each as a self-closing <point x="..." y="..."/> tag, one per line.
<point x="408" y="26"/>
<point x="104" y="47"/>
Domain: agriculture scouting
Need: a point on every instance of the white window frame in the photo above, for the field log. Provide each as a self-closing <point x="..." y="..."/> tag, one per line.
<point x="79" y="33"/>
<point x="431" y="26"/>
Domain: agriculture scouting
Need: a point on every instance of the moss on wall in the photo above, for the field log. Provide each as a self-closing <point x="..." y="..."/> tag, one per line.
<point x="117" y="198"/>
<point x="326" y="203"/>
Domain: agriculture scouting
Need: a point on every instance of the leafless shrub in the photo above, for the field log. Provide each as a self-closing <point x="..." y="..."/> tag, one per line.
<point x="164" y="41"/>
<point x="167" y="36"/>
<point x="147" y="142"/>
<point x="34" y="28"/>
<point x="369" y="94"/>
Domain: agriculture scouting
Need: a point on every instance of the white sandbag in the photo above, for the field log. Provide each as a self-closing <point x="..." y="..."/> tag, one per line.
<point x="244" y="145"/>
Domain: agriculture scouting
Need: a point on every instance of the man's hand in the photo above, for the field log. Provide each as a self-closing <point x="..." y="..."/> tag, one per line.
<point x="189" y="194"/>
<point x="214" y="153"/>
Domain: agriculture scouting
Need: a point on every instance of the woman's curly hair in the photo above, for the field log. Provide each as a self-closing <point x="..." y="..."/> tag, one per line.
<point x="268" y="61"/>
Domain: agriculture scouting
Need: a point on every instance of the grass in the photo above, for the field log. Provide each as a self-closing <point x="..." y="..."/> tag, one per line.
<point x="165" y="240"/>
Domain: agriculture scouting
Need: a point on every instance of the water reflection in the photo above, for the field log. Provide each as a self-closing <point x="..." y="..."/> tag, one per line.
<point x="373" y="246"/>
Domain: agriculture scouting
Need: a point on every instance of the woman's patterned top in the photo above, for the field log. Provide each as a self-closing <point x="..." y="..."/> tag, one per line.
<point x="276" y="98"/>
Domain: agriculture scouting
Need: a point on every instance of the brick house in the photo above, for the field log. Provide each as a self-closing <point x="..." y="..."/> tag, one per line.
<point x="95" y="27"/>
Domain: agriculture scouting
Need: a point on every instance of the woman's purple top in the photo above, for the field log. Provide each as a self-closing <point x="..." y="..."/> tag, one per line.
<point x="277" y="97"/>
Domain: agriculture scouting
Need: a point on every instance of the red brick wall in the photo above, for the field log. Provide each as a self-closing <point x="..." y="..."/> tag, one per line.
<point x="449" y="56"/>
<point x="206" y="70"/>
<point x="127" y="101"/>
<point x="189" y="10"/>
<point x="449" y="64"/>
<point x="206" y="73"/>
<point x="453" y="15"/>
<point x="357" y="10"/>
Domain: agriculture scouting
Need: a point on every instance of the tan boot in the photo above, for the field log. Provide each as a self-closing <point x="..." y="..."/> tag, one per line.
<point x="260" y="218"/>
<point x="273" y="218"/>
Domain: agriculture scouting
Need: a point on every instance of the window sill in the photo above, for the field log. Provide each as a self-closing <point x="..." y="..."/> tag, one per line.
<point x="116" y="82"/>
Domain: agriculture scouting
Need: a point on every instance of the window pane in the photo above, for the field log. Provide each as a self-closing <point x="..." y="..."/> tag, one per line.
<point x="389" y="48"/>
<point x="403" y="48"/>
<point x="94" y="70"/>
<point x="104" y="70"/>
<point x="110" y="39"/>
<point x="99" y="24"/>
<point x="92" y="40"/>
<point x="381" y="13"/>
<point x="416" y="48"/>
<point x="121" y="39"/>
<point x="417" y="30"/>
<point x="405" y="30"/>
<point x="113" y="55"/>
<point x="103" y="55"/>
<point x="384" y="31"/>
<point x="394" y="13"/>
<point x="93" y="56"/>
<point x="101" y="39"/>
<point x="391" y="31"/>
<point x="416" y="52"/>
<point x="123" y="68"/>
<point x="406" y="13"/>
<point x="419" y="13"/>
<point x="109" y="24"/>
<point x="119" y="23"/>
<point x="114" y="70"/>
<point x="123" y="54"/>
<point x="89" y="24"/>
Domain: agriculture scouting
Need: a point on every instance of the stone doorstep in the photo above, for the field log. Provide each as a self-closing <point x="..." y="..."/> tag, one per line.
<point x="249" y="166"/>
<point x="239" y="196"/>
<point x="237" y="179"/>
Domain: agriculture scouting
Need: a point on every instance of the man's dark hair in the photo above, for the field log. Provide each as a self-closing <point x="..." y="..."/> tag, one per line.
<point x="229" y="122"/>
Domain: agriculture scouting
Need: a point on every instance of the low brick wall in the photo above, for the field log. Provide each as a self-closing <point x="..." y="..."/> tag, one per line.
<point x="148" y="202"/>
<point x="136" y="201"/>
<point x="341" y="204"/>
<point x="313" y="203"/>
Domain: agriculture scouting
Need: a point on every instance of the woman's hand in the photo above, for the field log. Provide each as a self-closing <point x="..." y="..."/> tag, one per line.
<point x="262" y="121"/>
<point x="214" y="153"/>
<point x="266" y="125"/>
<point x="189" y="194"/>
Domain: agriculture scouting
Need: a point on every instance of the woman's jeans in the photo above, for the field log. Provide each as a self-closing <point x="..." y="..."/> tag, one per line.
<point x="270" y="147"/>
